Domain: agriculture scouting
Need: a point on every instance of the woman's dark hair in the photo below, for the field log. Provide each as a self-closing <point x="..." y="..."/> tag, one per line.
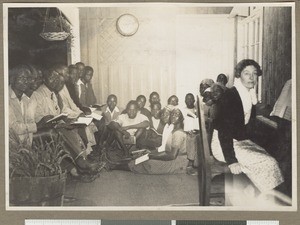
<point x="243" y="64"/>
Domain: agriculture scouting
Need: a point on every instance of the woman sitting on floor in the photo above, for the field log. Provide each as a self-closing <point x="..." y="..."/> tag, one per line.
<point x="230" y="142"/>
<point x="172" y="159"/>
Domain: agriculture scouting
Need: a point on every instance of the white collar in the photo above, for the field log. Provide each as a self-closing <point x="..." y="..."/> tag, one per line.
<point x="14" y="96"/>
<point x="80" y="82"/>
<point x="245" y="92"/>
<point x="116" y="109"/>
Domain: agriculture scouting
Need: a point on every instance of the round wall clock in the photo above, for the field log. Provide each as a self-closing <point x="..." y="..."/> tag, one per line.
<point x="127" y="24"/>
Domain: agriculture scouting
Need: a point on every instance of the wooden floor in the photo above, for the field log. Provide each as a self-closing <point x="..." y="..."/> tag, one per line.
<point x="122" y="188"/>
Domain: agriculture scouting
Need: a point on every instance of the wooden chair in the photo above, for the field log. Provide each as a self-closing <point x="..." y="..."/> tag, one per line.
<point x="208" y="166"/>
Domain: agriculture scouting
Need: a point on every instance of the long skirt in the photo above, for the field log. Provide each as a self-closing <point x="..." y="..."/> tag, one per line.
<point x="261" y="168"/>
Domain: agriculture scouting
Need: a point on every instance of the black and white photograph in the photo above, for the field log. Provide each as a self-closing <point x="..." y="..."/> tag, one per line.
<point x="150" y="106"/>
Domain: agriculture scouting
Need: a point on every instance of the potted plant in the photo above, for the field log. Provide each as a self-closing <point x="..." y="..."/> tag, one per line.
<point x="35" y="174"/>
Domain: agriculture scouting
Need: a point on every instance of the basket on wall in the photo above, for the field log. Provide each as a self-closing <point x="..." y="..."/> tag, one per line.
<point x="53" y="27"/>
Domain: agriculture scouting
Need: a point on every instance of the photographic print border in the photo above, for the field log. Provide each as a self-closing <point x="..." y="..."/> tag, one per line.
<point x="155" y="209"/>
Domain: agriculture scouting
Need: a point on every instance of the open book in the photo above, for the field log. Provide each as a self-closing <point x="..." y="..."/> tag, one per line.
<point x="95" y="116"/>
<point x="141" y="159"/>
<point x="83" y="121"/>
<point x="58" y="117"/>
<point x="98" y="106"/>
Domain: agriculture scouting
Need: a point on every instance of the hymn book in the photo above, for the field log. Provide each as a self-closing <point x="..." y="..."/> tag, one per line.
<point x="58" y="117"/>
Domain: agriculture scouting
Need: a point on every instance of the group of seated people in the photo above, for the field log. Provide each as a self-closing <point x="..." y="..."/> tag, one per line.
<point x="37" y="95"/>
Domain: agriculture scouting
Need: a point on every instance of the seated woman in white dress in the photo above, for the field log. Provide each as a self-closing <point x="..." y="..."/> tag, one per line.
<point x="230" y="142"/>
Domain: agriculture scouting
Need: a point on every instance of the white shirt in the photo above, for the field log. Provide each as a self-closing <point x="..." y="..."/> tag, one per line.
<point x="79" y="82"/>
<point x="155" y="122"/>
<point x="124" y="121"/>
<point x="116" y="110"/>
<point x="69" y="106"/>
<point x="166" y="133"/>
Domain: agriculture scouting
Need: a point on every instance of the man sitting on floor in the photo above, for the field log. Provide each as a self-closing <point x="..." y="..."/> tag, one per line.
<point x="141" y="101"/>
<point x="152" y="138"/>
<point x="110" y="112"/>
<point x="129" y="127"/>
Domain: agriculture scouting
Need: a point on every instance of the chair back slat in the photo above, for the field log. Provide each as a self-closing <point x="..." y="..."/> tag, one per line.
<point x="204" y="158"/>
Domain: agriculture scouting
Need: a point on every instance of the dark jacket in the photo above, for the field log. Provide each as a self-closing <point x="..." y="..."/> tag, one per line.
<point x="74" y="95"/>
<point x="230" y="122"/>
<point x="87" y="97"/>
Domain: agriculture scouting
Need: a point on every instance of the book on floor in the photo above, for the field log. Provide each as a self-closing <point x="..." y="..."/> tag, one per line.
<point x="141" y="159"/>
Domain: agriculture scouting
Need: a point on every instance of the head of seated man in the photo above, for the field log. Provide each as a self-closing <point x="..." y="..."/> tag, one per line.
<point x="35" y="79"/>
<point x="132" y="109"/>
<point x="155" y="110"/>
<point x="88" y="73"/>
<point x="63" y="70"/>
<point x="73" y="74"/>
<point x="80" y="67"/>
<point x="154" y="97"/>
<point x="222" y="79"/>
<point x="216" y="92"/>
<point x="190" y="101"/>
<point x="20" y="79"/>
<point x="111" y="102"/>
<point x="53" y="80"/>
<point x="141" y="101"/>
<point x="173" y="100"/>
<point x="206" y="83"/>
